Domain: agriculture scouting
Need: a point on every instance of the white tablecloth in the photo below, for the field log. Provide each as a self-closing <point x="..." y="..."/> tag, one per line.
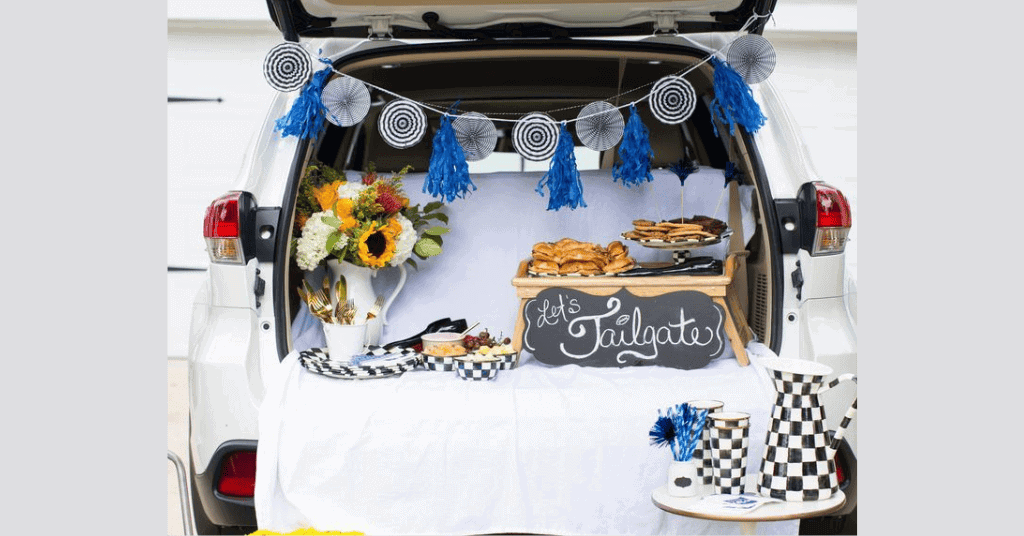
<point x="550" y="450"/>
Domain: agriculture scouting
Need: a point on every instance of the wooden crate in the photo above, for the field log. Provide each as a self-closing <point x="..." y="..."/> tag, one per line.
<point x="717" y="287"/>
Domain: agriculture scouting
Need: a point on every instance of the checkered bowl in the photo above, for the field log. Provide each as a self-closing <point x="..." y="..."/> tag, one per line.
<point x="477" y="370"/>
<point x="445" y="363"/>
<point x="508" y="361"/>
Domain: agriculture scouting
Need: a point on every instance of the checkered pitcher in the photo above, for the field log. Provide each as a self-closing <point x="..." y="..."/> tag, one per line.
<point x="799" y="460"/>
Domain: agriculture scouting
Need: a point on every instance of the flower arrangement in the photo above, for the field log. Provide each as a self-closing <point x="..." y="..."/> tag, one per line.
<point x="369" y="222"/>
<point x="679" y="428"/>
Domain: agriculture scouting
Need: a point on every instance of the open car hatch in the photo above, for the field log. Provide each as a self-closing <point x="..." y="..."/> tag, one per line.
<point x="486" y="19"/>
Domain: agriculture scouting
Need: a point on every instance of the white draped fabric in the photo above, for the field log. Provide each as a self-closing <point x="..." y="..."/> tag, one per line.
<point x="548" y="450"/>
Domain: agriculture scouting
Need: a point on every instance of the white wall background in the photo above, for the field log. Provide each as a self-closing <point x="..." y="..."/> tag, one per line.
<point x="215" y="49"/>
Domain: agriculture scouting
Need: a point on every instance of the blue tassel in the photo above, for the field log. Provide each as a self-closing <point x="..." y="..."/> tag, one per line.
<point x="635" y="152"/>
<point x="307" y="116"/>
<point x="734" y="101"/>
<point x="730" y="174"/>
<point x="562" y="178"/>
<point x="683" y="168"/>
<point x="448" y="175"/>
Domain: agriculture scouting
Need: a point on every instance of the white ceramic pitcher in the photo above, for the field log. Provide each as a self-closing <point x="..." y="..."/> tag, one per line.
<point x="360" y="289"/>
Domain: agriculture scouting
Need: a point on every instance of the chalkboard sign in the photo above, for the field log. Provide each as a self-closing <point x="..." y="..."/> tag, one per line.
<point x="682" y="329"/>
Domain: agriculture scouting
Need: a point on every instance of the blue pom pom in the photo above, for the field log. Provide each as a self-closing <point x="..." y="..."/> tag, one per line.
<point x="307" y="115"/>
<point x="562" y="178"/>
<point x="734" y="101"/>
<point x="683" y="168"/>
<point x="448" y="174"/>
<point x="635" y="152"/>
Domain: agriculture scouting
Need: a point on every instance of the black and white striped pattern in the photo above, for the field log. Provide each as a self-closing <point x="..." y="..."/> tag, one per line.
<point x="702" y="452"/>
<point x="402" y="123"/>
<point x="477" y="370"/>
<point x="729" y="458"/>
<point x="318" y="361"/>
<point x="753" y="57"/>
<point x="672" y="100"/>
<point x="287" y="67"/>
<point x="347" y="100"/>
<point x="445" y="363"/>
<point x="798" y="462"/>
<point x="535" y="136"/>
<point x="476" y="135"/>
<point x="599" y="125"/>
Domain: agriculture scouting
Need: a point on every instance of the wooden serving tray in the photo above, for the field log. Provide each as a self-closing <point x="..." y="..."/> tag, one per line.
<point x="717" y="287"/>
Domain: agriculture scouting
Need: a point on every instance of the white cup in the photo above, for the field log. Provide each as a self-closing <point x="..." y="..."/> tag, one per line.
<point x="344" y="341"/>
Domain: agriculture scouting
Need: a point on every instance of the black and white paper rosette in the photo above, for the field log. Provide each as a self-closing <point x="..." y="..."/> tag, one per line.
<point x="402" y="124"/>
<point x="672" y="100"/>
<point x="599" y="125"/>
<point x="535" y="136"/>
<point x="347" y="100"/>
<point x="287" y="67"/>
<point x="476" y="134"/>
<point x="753" y="57"/>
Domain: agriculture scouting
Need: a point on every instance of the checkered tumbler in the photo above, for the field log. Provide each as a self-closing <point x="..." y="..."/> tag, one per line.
<point x="729" y="459"/>
<point x="702" y="452"/>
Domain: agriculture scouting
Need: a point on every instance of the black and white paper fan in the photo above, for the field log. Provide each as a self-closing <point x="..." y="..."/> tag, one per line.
<point x="347" y="100"/>
<point x="672" y="100"/>
<point x="287" y="67"/>
<point x="476" y="134"/>
<point x="402" y="124"/>
<point x="753" y="57"/>
<point x="599" y="125"/>
<point x="535" y="136"/>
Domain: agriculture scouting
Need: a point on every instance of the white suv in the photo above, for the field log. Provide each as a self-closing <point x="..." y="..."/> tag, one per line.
<point x="557" y="58"/>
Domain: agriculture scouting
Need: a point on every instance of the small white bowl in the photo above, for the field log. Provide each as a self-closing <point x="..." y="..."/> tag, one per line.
<point x="436" y="340"/>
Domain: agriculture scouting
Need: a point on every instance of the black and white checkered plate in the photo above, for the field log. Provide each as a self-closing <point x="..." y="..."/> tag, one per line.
<point x="382" y="365"/>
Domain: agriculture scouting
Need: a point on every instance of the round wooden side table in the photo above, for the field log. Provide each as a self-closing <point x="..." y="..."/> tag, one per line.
<point x="775" y="511"/>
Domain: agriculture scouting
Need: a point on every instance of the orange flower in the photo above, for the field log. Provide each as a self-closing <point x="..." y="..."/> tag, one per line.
<point x="327" y="194"/>
<point x="343" y="210"/>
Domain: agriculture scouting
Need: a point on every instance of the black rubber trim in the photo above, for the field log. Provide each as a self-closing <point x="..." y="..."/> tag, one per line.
<point x="266" y="218"/>
<point x="222" y="509"/>
<point x="294" y="21"/>
<point x="774" y="231"/>
<point x="788" y="210"/>
<point x="282" y="253"/>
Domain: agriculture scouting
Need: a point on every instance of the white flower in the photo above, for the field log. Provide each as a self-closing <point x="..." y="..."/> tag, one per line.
<point x="406" y="240"/>
<point x="312" y="245"/>
<point x="350" y="190"/>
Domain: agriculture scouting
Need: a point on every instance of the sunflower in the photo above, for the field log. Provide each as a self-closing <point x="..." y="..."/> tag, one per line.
<point x="376" y="246"/>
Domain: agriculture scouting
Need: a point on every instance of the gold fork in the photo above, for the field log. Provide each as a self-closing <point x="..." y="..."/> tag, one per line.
<point x="320" y="307"/>
<point x="375" y="309"/>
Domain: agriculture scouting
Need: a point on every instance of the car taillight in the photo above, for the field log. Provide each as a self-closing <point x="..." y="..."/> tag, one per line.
<point x="825" y="210"/>
<point x="238" y="474"/>
<point x="222" y="230"/>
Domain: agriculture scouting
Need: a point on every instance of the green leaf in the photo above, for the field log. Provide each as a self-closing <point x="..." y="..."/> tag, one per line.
<point x="432" y="206"/>
<point x="412" y="263"/>
<point x="331" y="220"/>
<point x="426" y="247"/>
<point x="332" y="240"/>
<point x="438" y="216"/>
<point x="437" y="231"/>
